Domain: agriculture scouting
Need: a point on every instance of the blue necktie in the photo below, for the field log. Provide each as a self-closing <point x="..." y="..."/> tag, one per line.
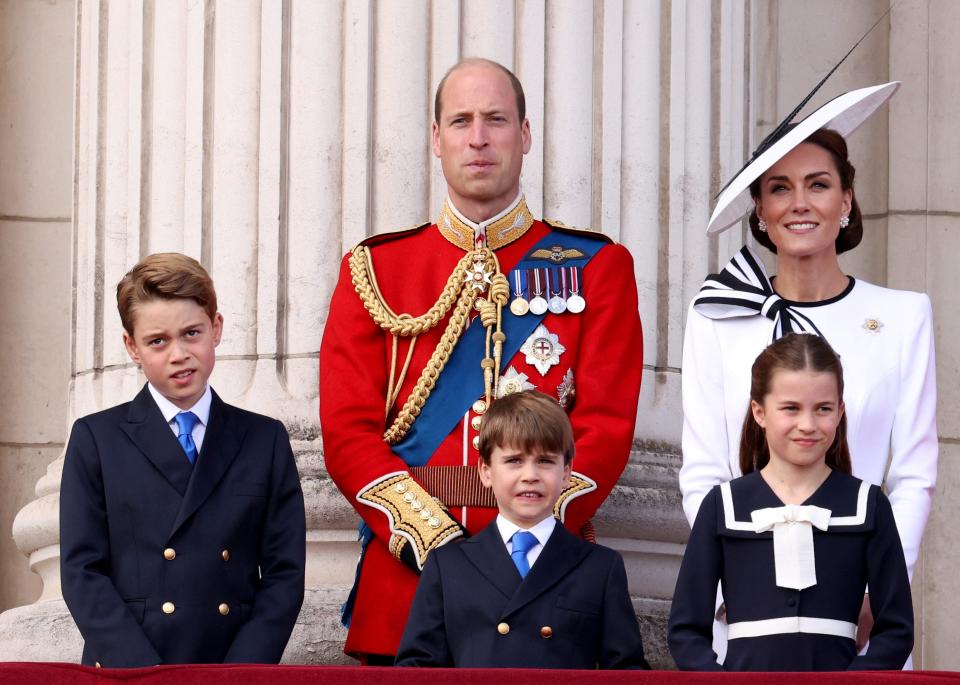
<point x="186" y="420"/>
<point x="523" y="542"/>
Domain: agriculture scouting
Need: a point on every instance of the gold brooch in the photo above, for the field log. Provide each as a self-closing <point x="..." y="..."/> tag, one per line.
<point x="872" y="325"/>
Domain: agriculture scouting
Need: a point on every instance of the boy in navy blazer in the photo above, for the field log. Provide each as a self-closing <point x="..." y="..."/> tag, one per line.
<point x="182" y="530"/>
<point x="524" y="592"/>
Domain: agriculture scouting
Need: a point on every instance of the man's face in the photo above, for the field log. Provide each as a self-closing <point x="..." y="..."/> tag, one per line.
<point x="480" y="140"/>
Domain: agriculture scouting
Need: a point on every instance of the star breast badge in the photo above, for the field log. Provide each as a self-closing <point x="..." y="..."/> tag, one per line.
<point x="512" y="381"/>
<point x="543" y="349"/>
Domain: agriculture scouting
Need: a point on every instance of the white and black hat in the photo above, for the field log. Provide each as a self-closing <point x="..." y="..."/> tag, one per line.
<point x="843" y="114"/>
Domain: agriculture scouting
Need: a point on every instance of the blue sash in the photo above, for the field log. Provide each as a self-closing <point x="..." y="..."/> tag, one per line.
<point x="461" y="382"/>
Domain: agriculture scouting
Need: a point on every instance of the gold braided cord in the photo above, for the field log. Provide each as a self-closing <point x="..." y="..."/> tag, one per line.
<point x="458" y="294"/>
<point x="404" y="325"/>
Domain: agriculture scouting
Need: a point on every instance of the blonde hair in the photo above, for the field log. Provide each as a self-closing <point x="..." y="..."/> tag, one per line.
<point x="165" y="276"/>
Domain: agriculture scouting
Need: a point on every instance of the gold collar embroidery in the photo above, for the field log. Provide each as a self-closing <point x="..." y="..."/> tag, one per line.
<point x="497" y="232"/>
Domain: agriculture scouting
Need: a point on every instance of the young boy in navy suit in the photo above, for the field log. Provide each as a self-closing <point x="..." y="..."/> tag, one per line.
<point x="182" y="531"/>
<point x="524" y="592"/>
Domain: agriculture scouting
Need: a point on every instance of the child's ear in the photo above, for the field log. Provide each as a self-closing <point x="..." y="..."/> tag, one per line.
<point x="758" y="414"/>
<point x="131" y="346"/>
<point x="217" y="328"/>
<point x="840" y="409"/>
<point x="484" y="469"/>
<point x="567" y="470"/>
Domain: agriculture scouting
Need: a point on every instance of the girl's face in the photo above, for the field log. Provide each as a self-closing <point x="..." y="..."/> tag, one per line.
<point x="802" y="201"/>
<point x="800" y="416"/>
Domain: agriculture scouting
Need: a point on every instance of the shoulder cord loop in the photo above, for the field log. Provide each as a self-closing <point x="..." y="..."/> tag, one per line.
<point x="458" y="295"/>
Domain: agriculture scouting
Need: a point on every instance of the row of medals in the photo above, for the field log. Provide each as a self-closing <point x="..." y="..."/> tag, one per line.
<point x="553" y="289"/>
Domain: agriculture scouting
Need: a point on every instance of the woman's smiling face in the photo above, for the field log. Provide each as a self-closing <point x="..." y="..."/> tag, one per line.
<point x="802" y="201"/>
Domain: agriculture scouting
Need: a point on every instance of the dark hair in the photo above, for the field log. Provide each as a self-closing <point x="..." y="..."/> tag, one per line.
<point x="792" y="352"/>
<point x="832" y="142"/>
<point x="530" y="421"/>
<point x="166" y="276"/>
<point x="479" y="61"/>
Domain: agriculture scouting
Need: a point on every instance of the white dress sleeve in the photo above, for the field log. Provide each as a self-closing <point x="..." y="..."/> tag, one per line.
<point x="912" y="474"/>
<point x="704" y="441"/>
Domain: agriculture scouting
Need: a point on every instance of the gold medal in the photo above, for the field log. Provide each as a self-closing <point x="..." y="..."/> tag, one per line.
<point x="519" y="306"/>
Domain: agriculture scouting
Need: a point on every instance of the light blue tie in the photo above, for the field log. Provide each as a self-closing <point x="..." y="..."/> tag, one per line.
<point x="523" y="542"/>
<point x="186" y="420"/>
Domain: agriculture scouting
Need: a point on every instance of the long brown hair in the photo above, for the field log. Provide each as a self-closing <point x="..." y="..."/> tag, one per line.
<point x="834" y="143"/>
<point x="792" y="352"/>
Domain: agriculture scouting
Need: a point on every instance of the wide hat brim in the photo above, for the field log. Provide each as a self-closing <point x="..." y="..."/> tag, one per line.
<point x="844" y="114"/>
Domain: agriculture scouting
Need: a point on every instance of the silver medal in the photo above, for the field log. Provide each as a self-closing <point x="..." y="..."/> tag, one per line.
<point x="576" y="304"/>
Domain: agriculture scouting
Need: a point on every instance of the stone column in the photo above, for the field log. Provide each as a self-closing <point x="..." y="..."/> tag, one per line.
<point x="923" y="242"/>
<point x="268" y="137"/>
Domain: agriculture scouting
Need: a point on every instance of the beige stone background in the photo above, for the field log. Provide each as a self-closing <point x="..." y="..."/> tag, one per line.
<point x="266" y="137"/>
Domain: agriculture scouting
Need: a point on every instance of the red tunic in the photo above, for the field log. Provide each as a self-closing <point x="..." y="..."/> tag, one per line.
<point x="603" y="349"/>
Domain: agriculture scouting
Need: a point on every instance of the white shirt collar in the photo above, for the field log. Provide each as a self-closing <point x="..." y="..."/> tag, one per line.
<point x="542" y="531"/>
<point x="481" y="228"/>
<point x="169" y="409"/>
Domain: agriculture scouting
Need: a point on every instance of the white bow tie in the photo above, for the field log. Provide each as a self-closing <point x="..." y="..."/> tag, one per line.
<point x="793" y="555"/>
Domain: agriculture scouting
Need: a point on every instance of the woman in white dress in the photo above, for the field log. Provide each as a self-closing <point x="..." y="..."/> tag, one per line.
<point x="798" y="190"/>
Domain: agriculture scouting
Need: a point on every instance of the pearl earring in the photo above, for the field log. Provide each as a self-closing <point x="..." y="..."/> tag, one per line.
<point x="844" y="221"/>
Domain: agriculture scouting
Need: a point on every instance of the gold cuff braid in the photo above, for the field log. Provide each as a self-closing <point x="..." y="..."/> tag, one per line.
<point x="579" y="485"/>
<point x="415" y="517"/>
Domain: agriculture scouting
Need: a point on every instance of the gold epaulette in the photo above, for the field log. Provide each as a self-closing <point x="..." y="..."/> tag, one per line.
<point x="564" y="228"/>
<point x="415" y="518"/>
<point x="380" y="238"/>
<point x="579" y="485"/>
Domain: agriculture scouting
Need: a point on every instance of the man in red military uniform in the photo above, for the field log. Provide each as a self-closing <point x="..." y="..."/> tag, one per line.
<point x="427" y="327"/>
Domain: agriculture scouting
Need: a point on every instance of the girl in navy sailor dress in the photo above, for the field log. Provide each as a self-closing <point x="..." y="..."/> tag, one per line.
<point x="796" y="541"/>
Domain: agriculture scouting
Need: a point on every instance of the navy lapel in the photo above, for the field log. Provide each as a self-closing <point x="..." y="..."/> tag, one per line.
<point x="147" y="430"/>
<point x="221" y="444"/>
<point x="562" y="552"/>
<point x="487" y="552"/>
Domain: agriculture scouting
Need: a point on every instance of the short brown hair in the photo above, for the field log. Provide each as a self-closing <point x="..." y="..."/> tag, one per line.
<point x="792" y="352"/>
<point x="528" y="420"/>
<point x="165" y="276"/>
<point x="478" y="61"/>
<point x="834" y="143"/>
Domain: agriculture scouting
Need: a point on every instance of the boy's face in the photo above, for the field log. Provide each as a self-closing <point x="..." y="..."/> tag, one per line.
<point x="526" y="485"/>
<point x="174" y="342"/>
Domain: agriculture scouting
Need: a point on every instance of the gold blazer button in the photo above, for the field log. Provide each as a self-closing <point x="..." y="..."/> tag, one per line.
<point x="225" y="554"/>
<point x="546" y="632"/>
<point x="168" y="608"/>
<point x="224" y="609"/>
<point x="503" y="628"/>
<point x="169" y="554"/>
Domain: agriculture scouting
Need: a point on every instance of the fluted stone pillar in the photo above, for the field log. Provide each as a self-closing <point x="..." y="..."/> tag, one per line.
<point x="267" y="137"/>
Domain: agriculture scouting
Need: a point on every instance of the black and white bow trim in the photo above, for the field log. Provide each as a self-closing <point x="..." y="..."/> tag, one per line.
<point x="743" y="289"/>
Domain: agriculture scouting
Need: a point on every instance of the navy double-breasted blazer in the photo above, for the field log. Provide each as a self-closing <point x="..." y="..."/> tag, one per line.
<point x="164" y="562"/>
<point x="472" y="609"/>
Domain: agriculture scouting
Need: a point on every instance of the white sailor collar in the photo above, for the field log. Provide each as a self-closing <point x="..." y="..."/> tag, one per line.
<point x="851" y="502"/>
